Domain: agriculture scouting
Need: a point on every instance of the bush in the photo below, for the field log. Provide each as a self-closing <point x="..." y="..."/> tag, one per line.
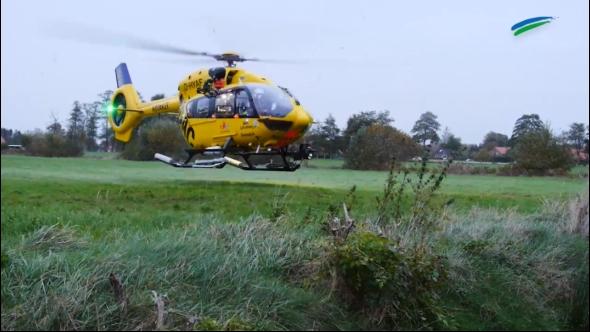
<point x="539" y="152"/>
<point x="51" y="145"/>
<point x="483" y="155"/>
<point x="392" y="284"/>
<point x="461" y="169"/>
<point x="391" y="274"/>
<point x="156" y="135"/>
<point x="374" y="147"/>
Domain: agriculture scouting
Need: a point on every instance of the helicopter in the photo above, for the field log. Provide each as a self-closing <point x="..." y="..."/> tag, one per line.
<point x="227" y="115"/>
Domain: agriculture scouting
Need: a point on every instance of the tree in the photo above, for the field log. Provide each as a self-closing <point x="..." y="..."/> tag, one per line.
<point x="106" y="133"/>
<point x="483" y="155"/>
<point x="454" y="146"/>
<point x="539" y="151"/>
<point x="493" y="139"/>
<point x="471" y="150"/>
<point x="375" y="146"/>
<point x="576" y="137"/>
<point x="55" y="127"/>
<point x="53" y="143"/>
<point x="426" y="128"/>
<point x="527" y="123"/>
<point x="158" y="96"/>
<point x="11" y="136"/>
<point x="365" y="119"/>
<point x="92" y="114"/>
<point x="76" y="123"/>
<point x="325" y="138"/>
<point x="157" y="135"/>
<point x="586" y="140"/>
<point x="329" y="129"/>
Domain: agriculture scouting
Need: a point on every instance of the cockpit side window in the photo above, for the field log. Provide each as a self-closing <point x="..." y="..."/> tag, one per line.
<point x="270" y="100"/>
<point x="224" y="105"/>
<point x="244" y="106"/>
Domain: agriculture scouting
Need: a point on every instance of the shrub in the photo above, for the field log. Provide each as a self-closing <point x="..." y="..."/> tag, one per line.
<point x="391" y="275"/>
<point x="156" y="135"/>
<point x="51" y="145"/>
<point x="510" y="170"/>
<point x="392" y="284"/>
<point x="483" y="155"/>
<point x="539" y="151"/>
<point x="421" y="215"/>
<point x="461" y="169"/>
<point x="373" y="147"/>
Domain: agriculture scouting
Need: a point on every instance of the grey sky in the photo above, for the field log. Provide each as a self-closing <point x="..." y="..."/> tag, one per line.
<point x="457" y="59"/>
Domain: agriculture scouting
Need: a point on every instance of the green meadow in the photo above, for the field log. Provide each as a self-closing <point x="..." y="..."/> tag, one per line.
<point x="524" y="193"/>
<point x="231" y="249"/>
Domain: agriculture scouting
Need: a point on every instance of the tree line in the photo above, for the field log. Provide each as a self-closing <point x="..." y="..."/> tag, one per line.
<point x="86" y="129"/>
<point x="369" y="141"/>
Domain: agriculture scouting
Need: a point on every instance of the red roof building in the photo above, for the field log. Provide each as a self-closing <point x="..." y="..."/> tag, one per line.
<point x="500" y="151"/>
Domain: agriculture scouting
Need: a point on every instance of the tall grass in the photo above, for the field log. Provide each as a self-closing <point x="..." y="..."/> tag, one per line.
<point x="533" y="267"/>
<point x="212" y="269"/>
<point x="506" y="271"/>
<point x="201" y="255"/>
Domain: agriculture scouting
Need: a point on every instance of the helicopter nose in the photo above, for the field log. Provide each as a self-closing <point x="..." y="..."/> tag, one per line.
<point x="300" y="125"/>
<point x="302" y="122"/>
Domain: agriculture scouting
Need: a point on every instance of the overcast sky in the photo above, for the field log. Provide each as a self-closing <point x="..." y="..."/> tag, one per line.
<point x="457" y="59"/>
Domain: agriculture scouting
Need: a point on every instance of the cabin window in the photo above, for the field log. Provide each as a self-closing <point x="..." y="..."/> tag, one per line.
<point x="199" y="108"/>
<point x="224" y="105"/>
<point x="244" y="106"/>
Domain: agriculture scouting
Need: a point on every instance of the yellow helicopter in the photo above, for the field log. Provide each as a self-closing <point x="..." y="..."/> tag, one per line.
<point x="226" y="114"/>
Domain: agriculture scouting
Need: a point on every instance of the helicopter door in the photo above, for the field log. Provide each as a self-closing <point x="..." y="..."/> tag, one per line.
<point x="226" y="125"/>
<point x="244" y="105"/>
<point x="246" y="113"/>
<point x="197" y="131"/>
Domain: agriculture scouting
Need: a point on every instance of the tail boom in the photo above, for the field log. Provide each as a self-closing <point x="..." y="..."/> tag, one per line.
<point x="126" y="111"/>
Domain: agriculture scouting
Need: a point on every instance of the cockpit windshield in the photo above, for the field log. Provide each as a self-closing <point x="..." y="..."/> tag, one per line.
<point x="270" y="100"/>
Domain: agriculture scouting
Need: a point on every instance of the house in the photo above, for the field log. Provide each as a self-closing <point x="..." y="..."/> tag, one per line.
<point x="499" y="151"/>
<point x="579" y="155"/>
<point x="442" y="154"/>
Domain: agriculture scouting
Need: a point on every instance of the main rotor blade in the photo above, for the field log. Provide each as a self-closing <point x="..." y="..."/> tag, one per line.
<point x="83" y="33"/>
<point x="87" y="34"/>
<point x="191" y="61"/>
<point x="282" y="61"/>
<point x="185" y="61"/>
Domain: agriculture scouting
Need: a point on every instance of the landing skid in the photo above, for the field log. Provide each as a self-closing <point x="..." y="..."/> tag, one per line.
<point x="284" y="156"/>
<point x="212" y="163"/>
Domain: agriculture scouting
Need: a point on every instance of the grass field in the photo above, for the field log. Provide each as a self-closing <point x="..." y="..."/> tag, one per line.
<point x="578" y="171"/>
<point x="230" y="247"/>
<point x="524" y="193"/>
